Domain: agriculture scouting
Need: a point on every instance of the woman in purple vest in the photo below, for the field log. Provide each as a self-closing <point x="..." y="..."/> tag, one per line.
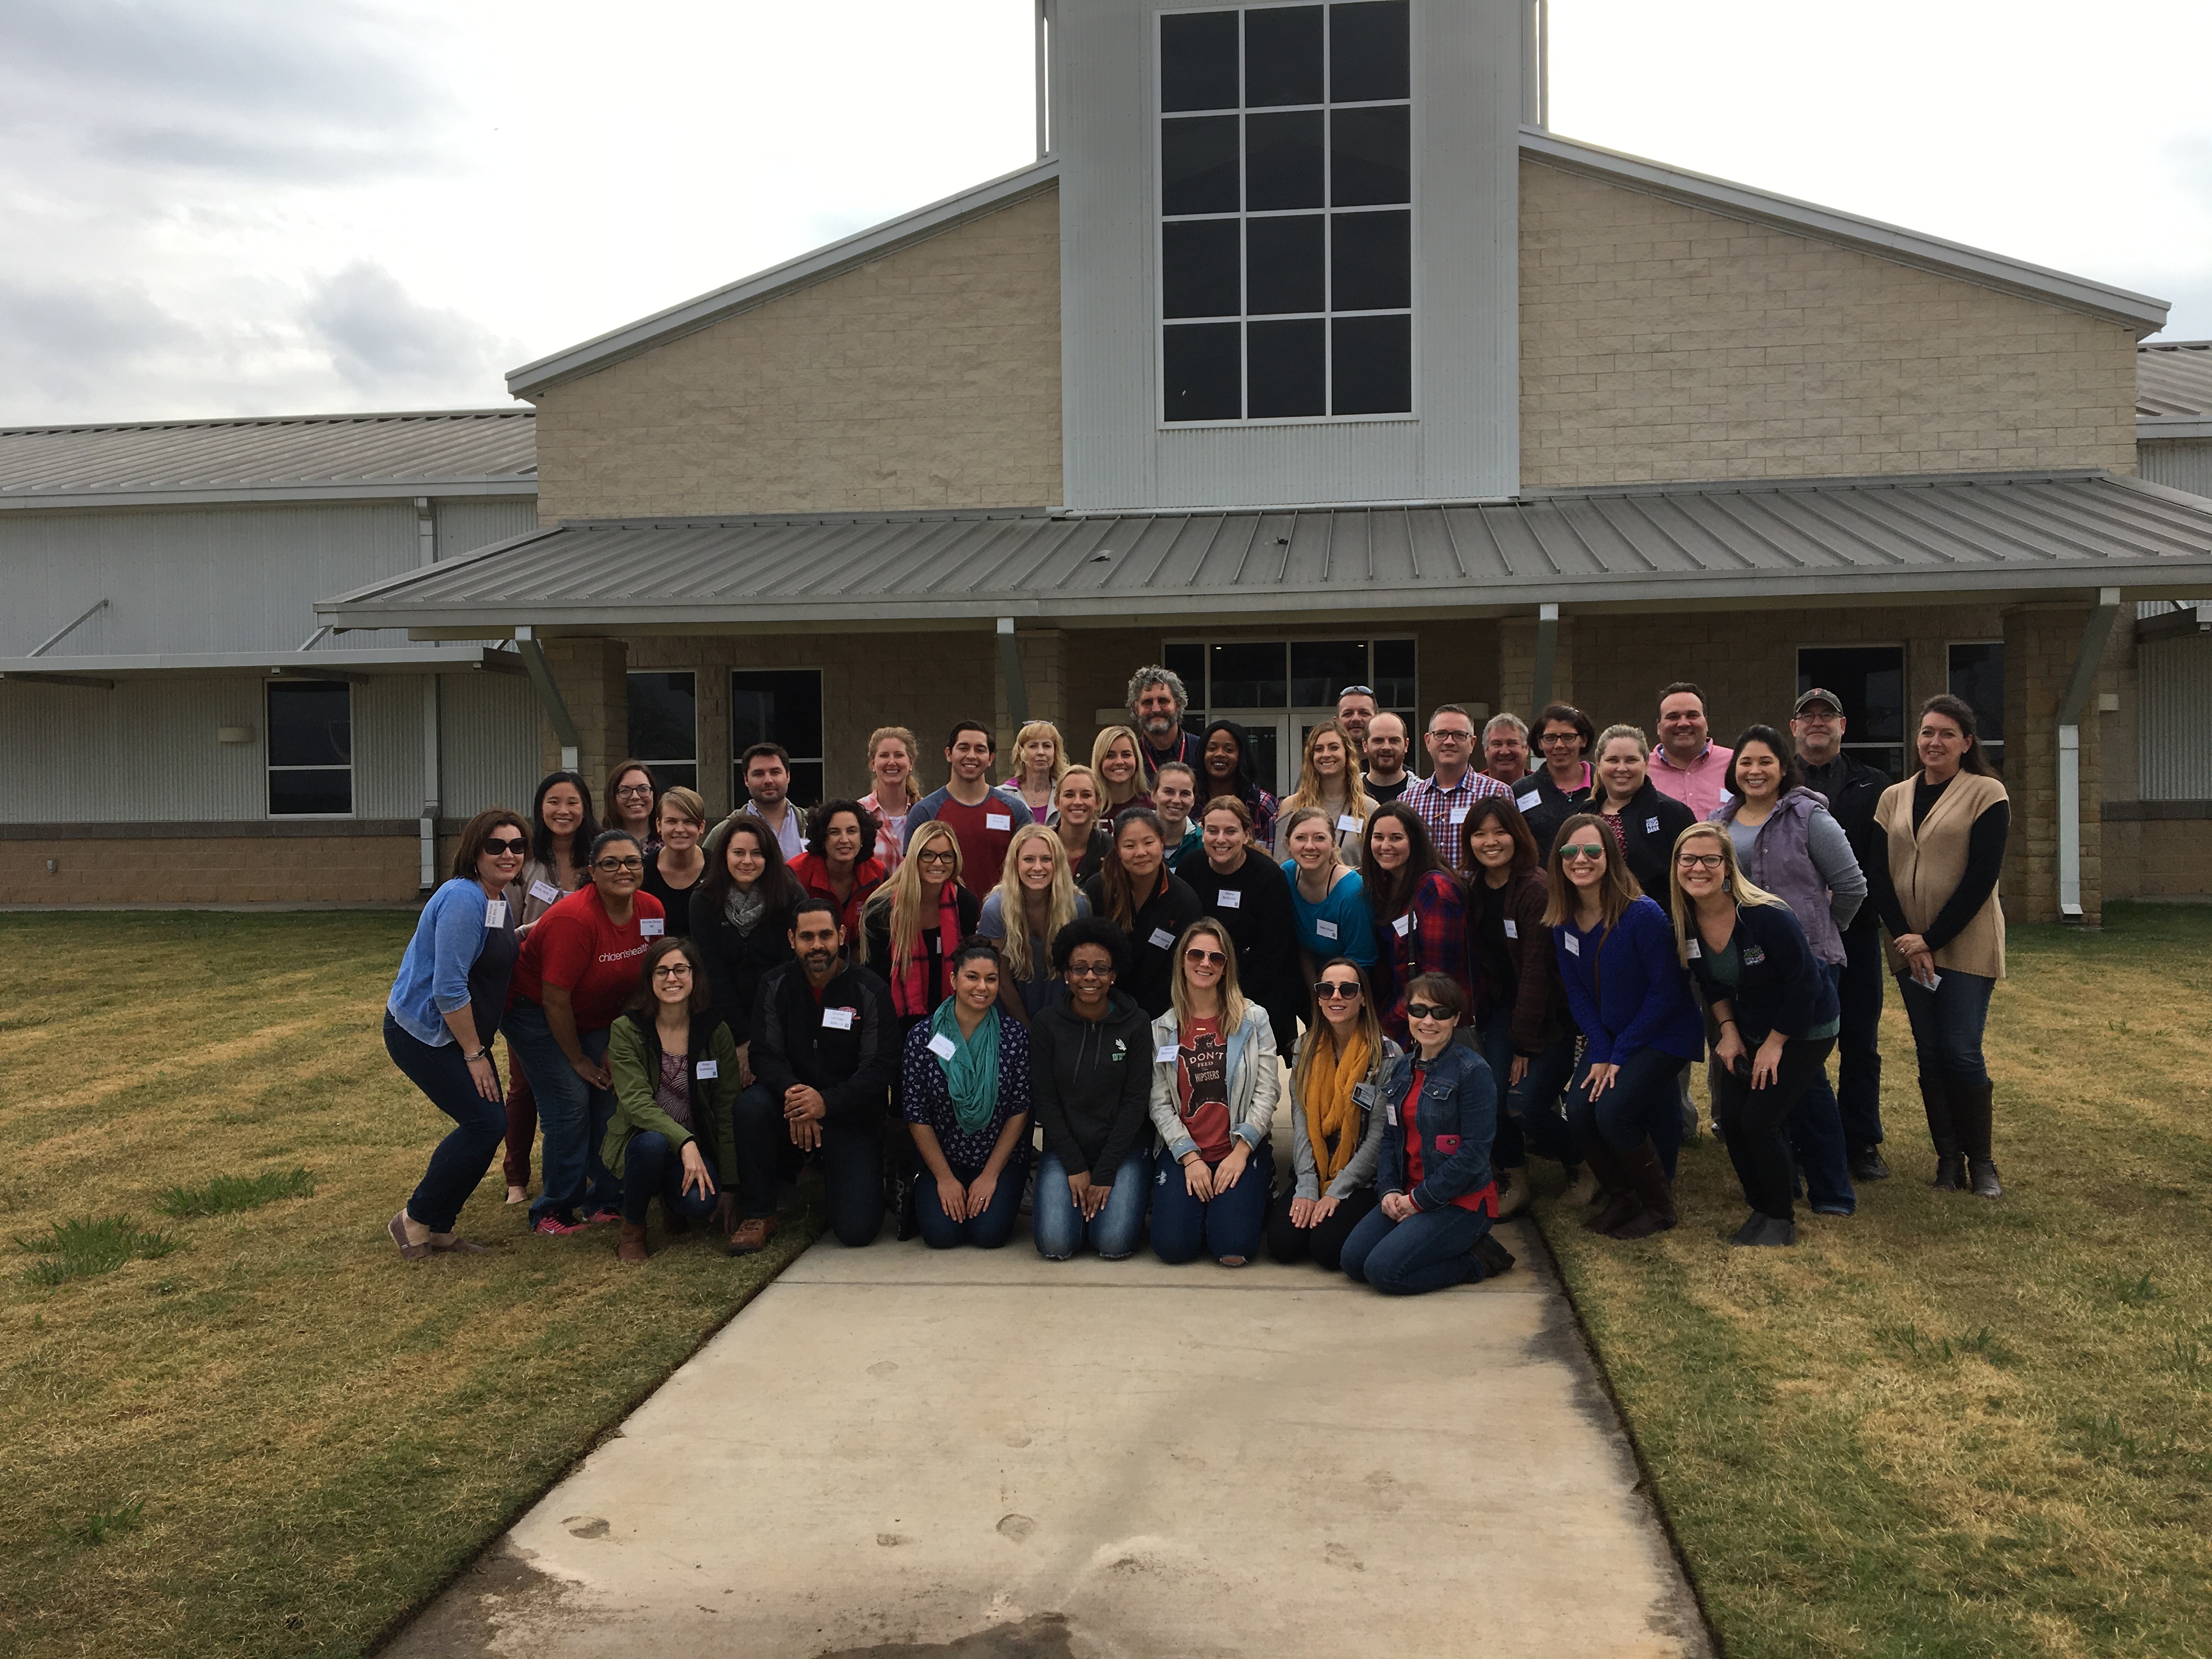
<point x="1788" y="844"/>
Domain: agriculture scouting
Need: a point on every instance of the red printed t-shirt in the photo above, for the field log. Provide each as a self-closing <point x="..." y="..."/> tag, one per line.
<point x="982" y="848"/>
<point x="575" y="945"/>
<point x="1202" y="1088"/>
<point x="1408" y="1114"/>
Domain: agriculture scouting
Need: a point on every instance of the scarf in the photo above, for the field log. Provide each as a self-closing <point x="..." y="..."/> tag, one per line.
<point x="971" y="1072"/>
<point x="910" y="978"/>
<point x="1330" y="1108"/>
<point x="745" y="910"/>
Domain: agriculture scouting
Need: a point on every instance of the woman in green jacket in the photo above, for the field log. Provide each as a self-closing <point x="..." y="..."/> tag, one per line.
<point x="675" y="1068"/>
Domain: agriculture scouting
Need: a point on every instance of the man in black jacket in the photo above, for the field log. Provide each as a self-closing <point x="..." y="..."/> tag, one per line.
<point x="1853" y="790"/>
<point x="825" y="1047"/>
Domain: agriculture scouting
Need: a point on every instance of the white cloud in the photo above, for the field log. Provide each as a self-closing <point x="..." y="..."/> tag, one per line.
<point x="384" y="343"/>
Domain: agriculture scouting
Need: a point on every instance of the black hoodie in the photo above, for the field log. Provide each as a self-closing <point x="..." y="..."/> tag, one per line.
<point x="1090" y="1083"/>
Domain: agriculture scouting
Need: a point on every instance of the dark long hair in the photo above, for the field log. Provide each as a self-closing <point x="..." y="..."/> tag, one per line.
<point x="1963" y="712"/>
<point x="1793" y="775"/>
<point x="1116" y="886"/>
<point x="1248" y="785"/>
<point x="541" y="838"/>
<point x="1526" y="857"/>
<point x="1389" y="896"/>
<point x="642" y="1000"/>
<point x="476" y="832"/>
<point x="776" y="885"/>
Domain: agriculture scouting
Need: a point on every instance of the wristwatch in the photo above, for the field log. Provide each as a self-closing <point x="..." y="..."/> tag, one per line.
<point x="483" y="1053"/>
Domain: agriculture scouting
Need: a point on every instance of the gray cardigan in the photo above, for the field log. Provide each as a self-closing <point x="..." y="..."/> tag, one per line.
<point x="1254" y="1081"/>
<point x="1360" y="1171"/>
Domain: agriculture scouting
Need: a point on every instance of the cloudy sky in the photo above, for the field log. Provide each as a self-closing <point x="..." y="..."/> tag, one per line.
<point x="231" y="207"/>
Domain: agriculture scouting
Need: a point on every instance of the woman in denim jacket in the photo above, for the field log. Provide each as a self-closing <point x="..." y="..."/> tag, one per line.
<point x="1431" y="1229"/>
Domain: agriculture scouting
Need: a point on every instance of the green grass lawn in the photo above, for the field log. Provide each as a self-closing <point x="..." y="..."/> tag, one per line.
<point x="234" y="1421"/>
<point x="1947" y="1426"/>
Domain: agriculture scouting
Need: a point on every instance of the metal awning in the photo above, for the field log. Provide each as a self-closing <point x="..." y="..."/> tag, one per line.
<point x="320" y="664"/>
<point x="1674" y="547"/>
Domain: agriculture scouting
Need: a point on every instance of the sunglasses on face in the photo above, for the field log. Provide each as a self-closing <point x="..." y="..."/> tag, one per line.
<point x="1212" y="959"/>
<point x="612" y="865"/>
<point x="1595" y="850"/>
<point x="1428" y="1011"/>
<point x="1336" y="990"/>
<point x="504" y="846"/>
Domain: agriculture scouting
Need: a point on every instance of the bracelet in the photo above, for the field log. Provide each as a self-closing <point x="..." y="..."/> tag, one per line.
<point x="483" y="1053"/>
<point x="1730" y="1022"/>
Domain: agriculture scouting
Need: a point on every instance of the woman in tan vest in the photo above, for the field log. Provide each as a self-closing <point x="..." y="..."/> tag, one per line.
<point x="1933" y="878"/>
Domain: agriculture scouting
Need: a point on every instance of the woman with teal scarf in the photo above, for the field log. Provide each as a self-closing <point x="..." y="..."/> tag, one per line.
<point x="967" y="1088"/>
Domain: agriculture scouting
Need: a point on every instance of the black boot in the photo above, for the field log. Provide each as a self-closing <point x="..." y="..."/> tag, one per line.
<point x="909" y="1220"/>
<point x="1619" y="1196"/>
<point x="1654" y="1198"/>
<point x="1942" y="1129"/>
<point x="1972" y="1109"/>
<point x="1494" y="1257"/>
<point x="1867" y="1164"/>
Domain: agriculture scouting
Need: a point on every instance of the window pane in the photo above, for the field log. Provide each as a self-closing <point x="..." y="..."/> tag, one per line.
<point x="1393" y="676"/>
<point x="1199" y="276"/>
<point x="1202" y="378"/>
<point x="311" y="724"/>
<point x="1870" y="679"/>
<point x="1321" y="668"/>
<point x="1266" y="763"/>
<point x="1370" y="156"/>
<point x="1288" y="368"/>
<point x="1283" y="269"/>
<point x="1197" y="60"/>
<point x="1367" y="52"/>
<point x="1249" y="676"/>
<point x="1198" y="165"/>
<point x="1282" y="160"/>
<point x="806" y="788"/>
<point x="1373" y="365"/>
<point x="322" y="791"/>
<point x="1188" y="662"/>
<point x="1978" y="676"/>
<point x="1373" y="264"/>
<point x="663" y="720"/>
<point x="676" y="775"/>
<point x="776" y="706"/>
<point x="1282" y="55"/>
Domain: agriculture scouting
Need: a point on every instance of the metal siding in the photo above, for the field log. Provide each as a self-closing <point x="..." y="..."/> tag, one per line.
<point x="145" y="752"/>
<point x="2174" y="380"/>
<point x="2174" y="680"/>
<point x="488" y="753"/>
<point x="387" y="747"/>
<point x="2178" y="465"/>
<point x="466" y="523"/>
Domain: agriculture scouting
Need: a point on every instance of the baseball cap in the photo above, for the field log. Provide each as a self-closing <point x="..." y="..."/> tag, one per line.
<point x="1818" y="694"/>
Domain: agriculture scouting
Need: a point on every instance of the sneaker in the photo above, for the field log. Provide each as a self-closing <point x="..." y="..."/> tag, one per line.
<point x="1867" y="1164"/>
<point x="751" y="1234"/>
<point x="553" y="1227"/>
<point x="601" y="1217"/>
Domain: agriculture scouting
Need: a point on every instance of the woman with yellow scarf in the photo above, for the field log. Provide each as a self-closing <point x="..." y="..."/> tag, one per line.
<point x="1336" y="1120"/>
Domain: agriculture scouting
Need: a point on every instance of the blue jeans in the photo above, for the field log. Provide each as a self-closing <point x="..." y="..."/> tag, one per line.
<point x="1946" y="1026"/>
<point x="759" y="1129"/>
<point x="464" y="1154"/>
<point x="1428" y="1251"/>
<point x="653" y="1168"/>
<point x="571" y="1115"/>
<point x="1229" y="1223"/>
<point x="1058" y="1225"/>
<point x="1816" y="1137"/>
<point x="1529" y="1110"/>
<point x="1645" y="1100"/>
<point x="987" y="1231"/>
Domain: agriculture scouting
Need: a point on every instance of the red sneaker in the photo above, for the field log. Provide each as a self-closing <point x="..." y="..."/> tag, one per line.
<point x="553" y="1227"/>
<point x="601" y="1217"/>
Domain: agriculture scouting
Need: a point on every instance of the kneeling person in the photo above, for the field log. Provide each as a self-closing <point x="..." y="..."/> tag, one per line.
<point x="967" y="1105"/>
<point x="1344" y="1064"/>
<point x="675" y="1068"/>
<point x="1090" y="1078"/>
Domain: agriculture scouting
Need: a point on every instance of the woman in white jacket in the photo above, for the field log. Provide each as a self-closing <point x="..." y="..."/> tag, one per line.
<point x="1215" y="1084"/>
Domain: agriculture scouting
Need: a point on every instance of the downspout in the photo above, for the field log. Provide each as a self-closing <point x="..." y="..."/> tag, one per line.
<point x="430" y="785"/>
<point x="2086" y="664"/>
<point x="548" y="696"/>
<point x="1547" y="657"/>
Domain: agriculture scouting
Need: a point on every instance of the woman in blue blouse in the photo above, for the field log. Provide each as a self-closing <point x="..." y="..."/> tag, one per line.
<point x="967" y="1105"/>
<point x="441" y="1017"/>
<point x="1630" y="996"/>
<point x="1329" y="901"/>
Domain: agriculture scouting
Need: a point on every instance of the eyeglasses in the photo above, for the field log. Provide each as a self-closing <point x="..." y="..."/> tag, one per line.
<point x="1428" y="1011"/>
<point x="635" y="789"/>
<point x="673" y="970"/>
<point x="1336" y="990"/>
<point x="612" y="865"/>
<point x="1593" y="850"/>
<point x="506" y="844"/>
<point x="939" y="855"/>
<point x="1551" y="738"/>
<point x="1467" y="736"/>
<point x="1355" y="692"/>
<point x="1699" y="861"/>
<point x="1085" y="970"/>
<point x="1213" y="958"/>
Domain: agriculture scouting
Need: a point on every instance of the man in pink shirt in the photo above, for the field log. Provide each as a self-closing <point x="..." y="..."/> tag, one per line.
<point x="1688" y="764"/>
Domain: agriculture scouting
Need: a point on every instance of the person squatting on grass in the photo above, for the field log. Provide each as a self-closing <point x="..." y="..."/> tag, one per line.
<point x="675" y="1067"/>
<point x="1091" y="1081"/>
<point x="966" y="1103"/>
<point x="1344" y="1063"/>
<point x="445" y="1006"/>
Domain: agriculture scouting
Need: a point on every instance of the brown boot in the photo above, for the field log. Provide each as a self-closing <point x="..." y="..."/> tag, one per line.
<point x="1513" y="1193"/>
<point x="1972" y="1110"/>
<point x="1654" y="1197"/>
<point x="631" y="1247"/>
<point x="751" y="1234"/>
<point x="1620" y="1201"/>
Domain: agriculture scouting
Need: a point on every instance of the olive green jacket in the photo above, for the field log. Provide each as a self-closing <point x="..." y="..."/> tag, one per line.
<point x="633" y="1057"/>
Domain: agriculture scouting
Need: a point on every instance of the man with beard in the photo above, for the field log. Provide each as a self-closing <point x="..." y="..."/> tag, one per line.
<point x="1156" y="700"/>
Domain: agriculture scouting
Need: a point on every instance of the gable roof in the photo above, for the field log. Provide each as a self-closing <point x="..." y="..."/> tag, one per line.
<point x="2174" y="389"/>
<point x="475" y="452"/>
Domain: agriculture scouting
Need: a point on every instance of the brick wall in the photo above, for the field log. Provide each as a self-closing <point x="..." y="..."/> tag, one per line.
<point x="928" y="379"/>
<point x="2158" y="858"/>
<point x="194" y="869"/>
<point x="592" y="674"/>
<point x="1664" y="342"/>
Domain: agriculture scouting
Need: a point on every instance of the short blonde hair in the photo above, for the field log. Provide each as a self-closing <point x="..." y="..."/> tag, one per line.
<point x="687" y="803"/>
<point x="1033" y="731"/>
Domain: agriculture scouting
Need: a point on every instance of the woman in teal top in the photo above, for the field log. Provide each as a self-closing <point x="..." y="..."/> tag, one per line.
<point x="1328" y="899"/>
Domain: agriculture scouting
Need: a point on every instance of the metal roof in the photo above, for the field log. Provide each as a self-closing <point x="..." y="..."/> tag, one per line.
<point x="338" y="664"/>
<point x="1792" y="542"/>
<point x="2174" y="389"/>
<point x="290" y="456"/>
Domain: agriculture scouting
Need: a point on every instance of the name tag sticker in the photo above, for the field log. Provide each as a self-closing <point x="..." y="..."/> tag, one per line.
<point x="1651" y="826"/>
<point x="997" y="820"/>
<point x="1229" y="899"/>
<point x="1349" y="825"/>
<point x="1530" y="802"/>
<point x="1403" y="926"/>
<point x="1697" y="952"/>
<point x="1574" y="944"/>
<point x="1512" y="928"/>
<point x="1161" y="939"/>
<point x="1459" y="815"/>
<point x="544" y="891"/>
<point x="650" y="926"/>
<point x="1391" y="1111"/>
<point x="495" y="913"/>
<point x="836" y="1019"/>
<point x="937" y="943"/>
<point x="943" y="1046"/>
<point x="1325" y="928"/>
<point x="709" y="1070"/>
<point x="1166" y="1053"/>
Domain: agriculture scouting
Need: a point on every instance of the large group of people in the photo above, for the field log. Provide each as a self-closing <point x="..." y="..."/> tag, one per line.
<point x="1082" y="990"/>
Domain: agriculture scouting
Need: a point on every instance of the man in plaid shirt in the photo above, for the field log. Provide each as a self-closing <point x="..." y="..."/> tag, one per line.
<point x="1442" y="798"/>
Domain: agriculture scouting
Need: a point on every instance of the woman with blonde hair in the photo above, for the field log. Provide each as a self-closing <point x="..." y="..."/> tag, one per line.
<point x="1770" y="1010"/>
<point x="1336" y="1120"/>
<point x="1040" y="759"/>
<point x="1329" y="782"/>
<point x="1215" y="1080"/>
<point x="1116" y="760"/>
<point x="1076" y="800"/>
<point x="1024" y="913"/>
<point x="891" y="752"/>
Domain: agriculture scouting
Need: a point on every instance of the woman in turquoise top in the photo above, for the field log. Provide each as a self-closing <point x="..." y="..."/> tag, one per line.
<point x="1328" y="898"/>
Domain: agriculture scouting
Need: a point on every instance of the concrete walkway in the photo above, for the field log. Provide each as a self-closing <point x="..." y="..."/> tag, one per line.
<point x="985" y="1455"/>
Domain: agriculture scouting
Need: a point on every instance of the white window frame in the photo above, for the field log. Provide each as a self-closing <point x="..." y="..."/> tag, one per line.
<point x="670" y="760"/>
<point x="269" y="768"/>
<point x="1327" y="212"/>
<point x="738" y="796"/>
<point x="1903" y="680"/>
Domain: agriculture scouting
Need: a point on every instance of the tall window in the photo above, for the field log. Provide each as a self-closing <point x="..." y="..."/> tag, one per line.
<point x="1870" y="679"/>
<point x="664" y="726"/>
<point x="1977" y="676"/>
<point x="310" y="748"/>
<point x="778" y="705"/>
<point x="1286" y="223"/>
<point x="1279" y="689"/>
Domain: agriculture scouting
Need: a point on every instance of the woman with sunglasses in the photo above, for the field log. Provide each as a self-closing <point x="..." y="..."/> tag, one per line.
<point x="576" y="974"/>
<point x="447" y="1002"/>
<point x="1215" y="1079"/>
<point x="1771" y="1009"/>
<point x="1149" y="903"/>
<point x="1631" y="998"/>
<point x="675" y="1067"/>
<point x="1336" y="1122"/>
<point x="1244" y="890"/>
<point x="965" y="1097"/>
<point x="1417" y="909"/>
<point x="1429" y="1228"/>
<point x="560" y="836"/>
<point x="1092" y="1091"/>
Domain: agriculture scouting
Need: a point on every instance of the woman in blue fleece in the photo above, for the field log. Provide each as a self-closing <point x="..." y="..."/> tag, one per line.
<point x="1630" y="996"/>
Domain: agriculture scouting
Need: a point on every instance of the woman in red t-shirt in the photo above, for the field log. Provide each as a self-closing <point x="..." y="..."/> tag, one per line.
<point x="577" y="969"/>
